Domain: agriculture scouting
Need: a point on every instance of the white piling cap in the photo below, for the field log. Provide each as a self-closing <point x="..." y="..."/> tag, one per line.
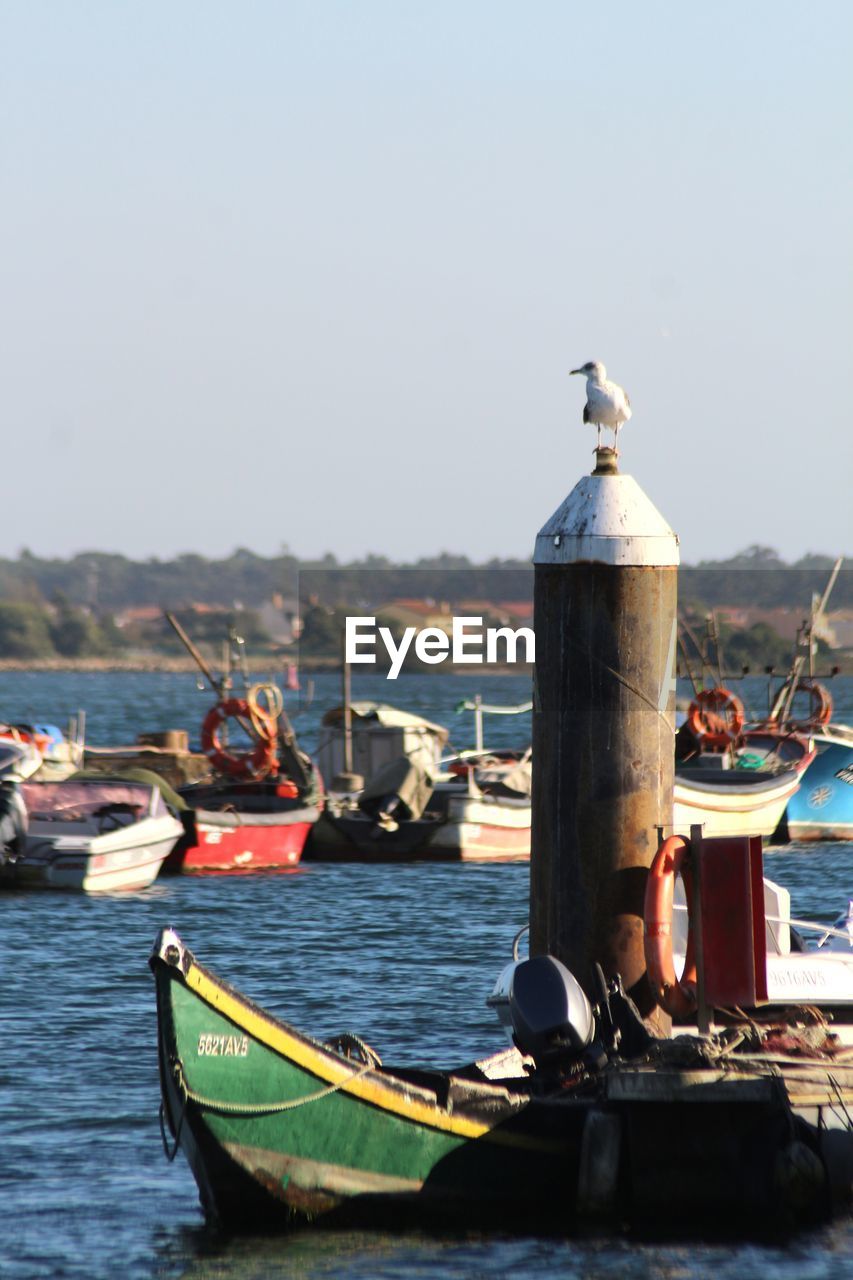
<point x="608" y="519"/>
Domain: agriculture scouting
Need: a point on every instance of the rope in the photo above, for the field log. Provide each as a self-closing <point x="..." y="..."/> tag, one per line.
<point x="170" y="1155"/>
<point x="467" y="705"/>
<point x="841" y="1103"/>
<point x="272" y="698"/>
<point x="261" y="1108"/>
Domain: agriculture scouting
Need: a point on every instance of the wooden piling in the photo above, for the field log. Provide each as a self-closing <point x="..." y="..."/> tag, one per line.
<point x="603" y="724"/>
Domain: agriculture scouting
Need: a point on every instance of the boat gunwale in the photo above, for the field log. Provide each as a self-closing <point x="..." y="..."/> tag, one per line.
<point x="381" y="1089"/>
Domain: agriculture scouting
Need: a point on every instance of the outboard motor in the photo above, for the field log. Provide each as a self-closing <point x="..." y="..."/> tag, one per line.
<point x="544" y="1010"/>
<point x="17" y="760"/>
<point x="13" y="822"/>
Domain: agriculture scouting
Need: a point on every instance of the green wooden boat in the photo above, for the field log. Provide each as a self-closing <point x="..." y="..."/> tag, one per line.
<point x="280" y="1129"/>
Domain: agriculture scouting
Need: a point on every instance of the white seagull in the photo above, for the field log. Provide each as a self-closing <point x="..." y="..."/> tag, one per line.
<point x="607" y="405"/>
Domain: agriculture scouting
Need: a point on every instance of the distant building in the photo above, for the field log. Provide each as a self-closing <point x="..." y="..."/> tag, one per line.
<point x="136" y="614"/>
<point x="280" y="618"/>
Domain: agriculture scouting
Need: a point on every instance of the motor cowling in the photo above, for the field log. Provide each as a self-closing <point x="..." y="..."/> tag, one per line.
<point x="544" y="1009"/>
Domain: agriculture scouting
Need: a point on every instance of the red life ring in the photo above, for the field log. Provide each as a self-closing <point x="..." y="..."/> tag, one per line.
<point x="676" y="995"/>
<point x="251" y="764"/>
<point x="820" y="709"/>
<point x="715" y="717"/>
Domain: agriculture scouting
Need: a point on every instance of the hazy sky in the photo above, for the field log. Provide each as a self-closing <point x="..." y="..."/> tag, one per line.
<point x="314" y="273"/>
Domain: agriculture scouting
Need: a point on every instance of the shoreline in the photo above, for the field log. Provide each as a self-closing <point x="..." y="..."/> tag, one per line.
<point x="276" y="666"/>
<point x="179" y="665"/>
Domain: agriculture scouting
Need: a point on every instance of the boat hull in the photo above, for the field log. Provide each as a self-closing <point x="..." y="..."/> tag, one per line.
<point x="220" y="842"/>
<point x="823" y="807"/>
<point x="93" y="866"/>
<point x="750" y="809"/>
<point x="465" y="829"/>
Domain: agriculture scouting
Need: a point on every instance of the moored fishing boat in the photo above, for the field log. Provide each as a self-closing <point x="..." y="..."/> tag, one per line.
<point x="731" y="780"/>
<point x="254" y="809"/>
<point x="565" y="1127"/>
<point x="822" y="808"/>
<point x="472" y="806"/>
<point x="259" y="825"/>
<point x="477" y="811"/>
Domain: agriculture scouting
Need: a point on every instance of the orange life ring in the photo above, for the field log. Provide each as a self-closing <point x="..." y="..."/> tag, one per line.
<point x="820" y="710"/>
<point x="250" y="764"/>
<point x="676" y="995"/>
<point x="715" y="717"/>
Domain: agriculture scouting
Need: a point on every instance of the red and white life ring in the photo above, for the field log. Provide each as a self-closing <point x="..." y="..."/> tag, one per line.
<point x="247" y="764"/>
<point x="676" y="995"/>
<point x="716" y="717"/>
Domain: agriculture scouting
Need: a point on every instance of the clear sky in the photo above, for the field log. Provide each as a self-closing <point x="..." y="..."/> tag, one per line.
<point x="314" y="273"/>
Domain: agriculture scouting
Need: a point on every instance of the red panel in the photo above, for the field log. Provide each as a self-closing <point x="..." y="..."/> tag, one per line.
<point x="733" y="943"/>
<point x="759" y="931"/>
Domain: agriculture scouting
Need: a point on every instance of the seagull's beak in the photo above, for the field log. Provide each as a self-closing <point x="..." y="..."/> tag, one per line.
<point x="571" y="371"/>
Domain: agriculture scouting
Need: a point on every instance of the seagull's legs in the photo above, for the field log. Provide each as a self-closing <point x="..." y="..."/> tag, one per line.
<point x="598" y="446"/>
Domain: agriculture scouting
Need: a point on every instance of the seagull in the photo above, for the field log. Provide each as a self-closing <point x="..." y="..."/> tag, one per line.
<point x="607" y="405"/>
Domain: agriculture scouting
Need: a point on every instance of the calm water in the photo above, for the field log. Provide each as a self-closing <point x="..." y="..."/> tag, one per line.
<point x="403" y="958"/>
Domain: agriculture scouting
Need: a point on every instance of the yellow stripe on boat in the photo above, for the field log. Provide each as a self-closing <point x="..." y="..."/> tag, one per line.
<point x="274" y="1035"/>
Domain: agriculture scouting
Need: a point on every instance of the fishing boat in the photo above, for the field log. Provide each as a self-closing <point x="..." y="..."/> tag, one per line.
<point x="822" y="808"/>
<point x="471" y="806"/>
<point x="799" y="711"/>
<point x="477" y="810"/>
<point x="732" y="780"/>
<point x="254" y="811"/>
<point x="234" y="826"/>
<point x="256" y="806"/>
<point x="96" y="835"/>
<point x="563" y="1128"/>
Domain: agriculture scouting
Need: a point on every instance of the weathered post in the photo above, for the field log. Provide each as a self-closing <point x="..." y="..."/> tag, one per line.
<point x="603" y="724"/>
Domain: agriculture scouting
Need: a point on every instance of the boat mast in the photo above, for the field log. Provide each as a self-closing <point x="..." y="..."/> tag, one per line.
<point x="781" y="708"/>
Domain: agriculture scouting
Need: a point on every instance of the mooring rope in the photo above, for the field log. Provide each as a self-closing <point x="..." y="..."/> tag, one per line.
<point x="170" y="1155"/>
<point x="261" y="1108"/>
<point x="841" y="1102"/>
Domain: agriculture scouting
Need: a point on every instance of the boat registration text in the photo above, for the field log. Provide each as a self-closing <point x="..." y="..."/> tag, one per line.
<point x="213" y="1046"/>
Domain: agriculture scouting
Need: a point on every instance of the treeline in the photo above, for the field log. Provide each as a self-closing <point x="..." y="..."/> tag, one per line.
<point x="89" y="605"/>
<point x="759" y="578"/>
<point x="105" y="583"/>
<point x="109" y="583"/>
<point x="62" y="630"/>
<point x="32" y="631"/>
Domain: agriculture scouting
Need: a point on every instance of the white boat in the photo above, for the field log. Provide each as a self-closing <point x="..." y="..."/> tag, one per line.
<point x="808" y="964"/>
<point x="95" y="835"/>
<point x="478" y="810"/>
<point x="740" y="789"/>
<point x="474" y="805"/>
